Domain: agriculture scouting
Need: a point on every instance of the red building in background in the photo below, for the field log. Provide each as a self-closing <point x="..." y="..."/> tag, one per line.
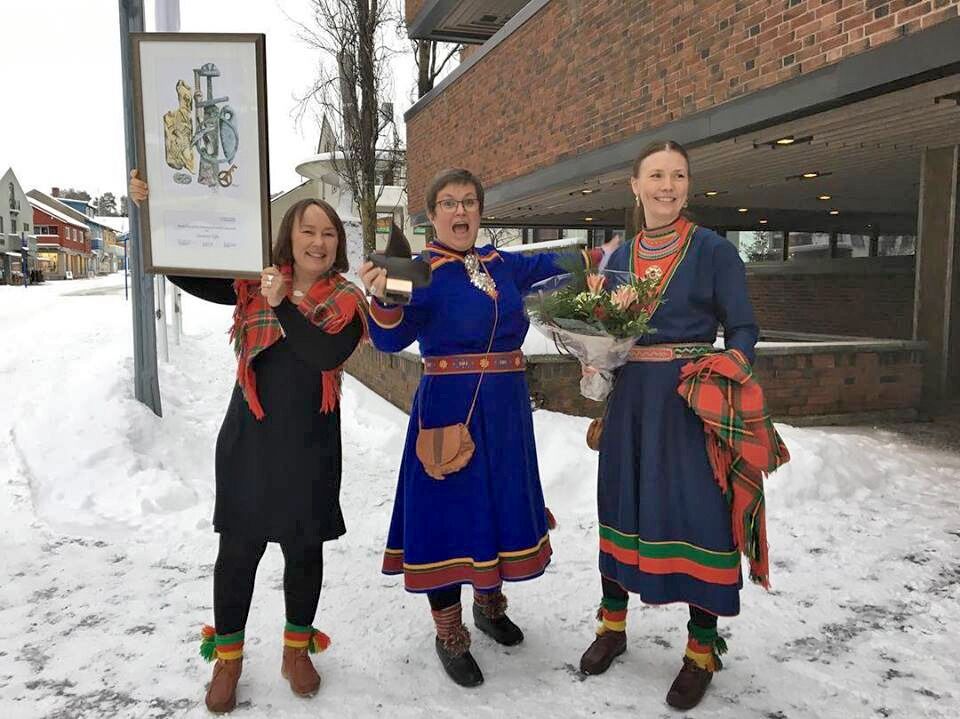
<point x="63" y="238"/>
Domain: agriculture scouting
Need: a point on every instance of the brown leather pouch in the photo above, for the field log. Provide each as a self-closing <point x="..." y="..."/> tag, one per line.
<point x="594" y="431"/>
<point x="444" y="450"/>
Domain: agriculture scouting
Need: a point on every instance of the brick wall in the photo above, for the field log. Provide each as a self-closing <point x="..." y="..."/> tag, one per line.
<point x="840" y="381"/>
<point x="858" y="304"/>
<point x="583" y="75"/>
<point x="800" y="382"/>
<point x="412" y="9"/>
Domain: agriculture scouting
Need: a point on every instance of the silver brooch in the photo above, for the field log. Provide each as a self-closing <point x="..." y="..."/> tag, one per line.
<point x="478" y="278"/>
<point x="653" y="272"/>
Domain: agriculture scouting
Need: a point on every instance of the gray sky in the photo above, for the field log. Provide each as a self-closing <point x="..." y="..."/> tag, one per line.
<point x="61" y="122"/>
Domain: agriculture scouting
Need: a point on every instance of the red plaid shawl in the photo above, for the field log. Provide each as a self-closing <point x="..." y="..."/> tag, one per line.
<point x="330" y="304"/>
<point x="742" y="445"/>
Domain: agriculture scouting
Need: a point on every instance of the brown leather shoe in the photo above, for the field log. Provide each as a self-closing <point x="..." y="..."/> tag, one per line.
<point x="690" y="685"/>
<point x="605" y="648"/>
<point x="298" y="669"/>
<point x="222" y="690"/>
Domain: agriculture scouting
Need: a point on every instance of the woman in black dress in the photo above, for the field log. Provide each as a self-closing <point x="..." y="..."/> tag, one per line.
<point x="278" y="456"/>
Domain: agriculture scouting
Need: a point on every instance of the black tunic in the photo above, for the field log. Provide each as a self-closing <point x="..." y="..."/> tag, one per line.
<point x="279" y="478"/>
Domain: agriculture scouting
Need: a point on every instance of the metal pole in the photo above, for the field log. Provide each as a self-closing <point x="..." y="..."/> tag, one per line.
<point x="166" y="15"/>
<point x="146" y="382"/>
<point x="163" y="348"/>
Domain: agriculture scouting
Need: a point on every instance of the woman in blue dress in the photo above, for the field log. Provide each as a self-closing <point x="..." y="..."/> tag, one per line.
<point x="665" y="526"/>
<point x="485" y="523"/>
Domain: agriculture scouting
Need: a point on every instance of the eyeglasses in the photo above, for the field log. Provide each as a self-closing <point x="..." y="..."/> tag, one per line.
<point x="469" y="204"/>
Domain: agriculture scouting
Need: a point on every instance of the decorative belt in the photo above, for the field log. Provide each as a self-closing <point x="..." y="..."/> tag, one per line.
<point x="668" y="353"/>
<point x="475" y="363"/>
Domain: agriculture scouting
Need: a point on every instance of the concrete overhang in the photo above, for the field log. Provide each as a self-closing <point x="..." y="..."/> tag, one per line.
<point x="860" y="124"/>
<point x="462" y="21"/>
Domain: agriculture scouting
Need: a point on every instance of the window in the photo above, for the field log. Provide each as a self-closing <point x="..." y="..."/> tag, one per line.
<point x="758" y="245"/>
<point x="892" y="245"/>
<point x="853" y="245"/>
<point x="808" y="245"/>
<point x="26" y="227"/>
<point x="1" y="225"/>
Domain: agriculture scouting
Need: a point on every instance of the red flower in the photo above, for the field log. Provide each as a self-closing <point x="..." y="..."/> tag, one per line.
<point x="600" y="312"/>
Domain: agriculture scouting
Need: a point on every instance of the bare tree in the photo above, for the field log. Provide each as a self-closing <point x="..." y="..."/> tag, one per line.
<point x="349" y="90"/>
<point x="431" y="60"/>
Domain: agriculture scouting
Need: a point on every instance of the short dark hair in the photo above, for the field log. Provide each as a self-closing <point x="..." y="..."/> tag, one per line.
<point x="657" y="146"/>
<point x="283" y="246"/>
<point x="452" y="176"/>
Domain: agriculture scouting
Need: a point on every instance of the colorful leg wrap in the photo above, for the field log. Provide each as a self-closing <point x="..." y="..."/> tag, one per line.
<point x="492" y="604"/>
<point x="450" y="630"/>
<point x="704" y="647"/>
<point x="220" y="646"/>
<point x="612" y="615"/>
<point x="309" y="638"/>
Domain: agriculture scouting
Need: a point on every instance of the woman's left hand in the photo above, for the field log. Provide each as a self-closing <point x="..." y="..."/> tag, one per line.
<point x="612" y="244"/>
<point x="273" y="286"/>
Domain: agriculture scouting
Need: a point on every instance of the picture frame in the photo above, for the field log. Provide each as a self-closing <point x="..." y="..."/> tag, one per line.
<point x="200" y="119"/>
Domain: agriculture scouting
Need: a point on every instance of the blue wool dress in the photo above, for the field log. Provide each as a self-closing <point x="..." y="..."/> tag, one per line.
<point x="485" y="523"/>
<point x="665" y="529"/>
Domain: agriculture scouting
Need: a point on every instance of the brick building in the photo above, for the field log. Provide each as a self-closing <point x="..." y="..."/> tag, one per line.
<point x="824" y="139"/>
<point x="63" y="238"/>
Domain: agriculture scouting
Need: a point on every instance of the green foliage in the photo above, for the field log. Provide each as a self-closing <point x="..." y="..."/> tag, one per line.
<point x="578" y="308"/>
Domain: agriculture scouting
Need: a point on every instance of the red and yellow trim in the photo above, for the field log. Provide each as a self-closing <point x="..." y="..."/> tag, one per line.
<point x="671" y="557"/>
<point x="443" y="256"/>
<point x="507" y="566"/>
<point x="474" y="363"/>
<point x="305" y="637"/>
<point x="386" y="317"/>
<point x="701" y="654"/>
<point x="220" y="646"/>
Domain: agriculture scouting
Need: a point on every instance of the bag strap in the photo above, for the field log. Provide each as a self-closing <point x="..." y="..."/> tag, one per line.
<point x="476" y="392"/>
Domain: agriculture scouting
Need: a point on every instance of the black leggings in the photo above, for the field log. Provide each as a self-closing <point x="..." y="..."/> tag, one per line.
<point x="443" y="598"/>
<point x="235" y="572"/>
<point x="700" y="617"/>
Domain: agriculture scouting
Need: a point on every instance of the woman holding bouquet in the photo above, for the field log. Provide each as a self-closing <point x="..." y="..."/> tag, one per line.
<point x="474" y="515"/>
<point x="666" y="529"/>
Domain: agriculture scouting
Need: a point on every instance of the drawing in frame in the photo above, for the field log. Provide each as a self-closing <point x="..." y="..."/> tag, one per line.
<point x="201" y="125"/>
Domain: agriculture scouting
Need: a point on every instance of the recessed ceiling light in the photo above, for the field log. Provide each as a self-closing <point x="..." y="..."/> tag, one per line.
<point x="585" y="191"/>
<point x="788" y="140"/>
<point x="810" y="175"/>
<point x="763" y="222"/>
<point x="742" y="209"/>
<point x="824" y="197"/>
<point x="711" y="193"/>
<point x="834" y="212"/>
<point x="490" y="217"/>
<point x="588" y="219"/>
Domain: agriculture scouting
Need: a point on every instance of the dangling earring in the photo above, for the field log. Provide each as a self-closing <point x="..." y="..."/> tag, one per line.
<point x="637" y="197"/>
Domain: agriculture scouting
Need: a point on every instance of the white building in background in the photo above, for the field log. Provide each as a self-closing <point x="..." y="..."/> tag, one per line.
<point x="16" y="226"/>
<point x="322" y="182"/>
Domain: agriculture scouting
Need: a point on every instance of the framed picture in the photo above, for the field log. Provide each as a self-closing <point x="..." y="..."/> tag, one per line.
<point x="201" y="124"/>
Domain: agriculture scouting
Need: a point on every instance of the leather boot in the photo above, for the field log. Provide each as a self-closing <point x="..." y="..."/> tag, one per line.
<point x="690" y="685"/>
<point x="462" y="667"/>
<point x="298" y="669"/>
<point x="490" y="617"/>
<point x="605" y="648"/>
<point x="222" y="690"/>
<point x="453" y="647"/>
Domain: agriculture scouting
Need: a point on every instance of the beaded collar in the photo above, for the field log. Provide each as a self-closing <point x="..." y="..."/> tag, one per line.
<point x="477" y="273"/>
<point x="661" y="242"/>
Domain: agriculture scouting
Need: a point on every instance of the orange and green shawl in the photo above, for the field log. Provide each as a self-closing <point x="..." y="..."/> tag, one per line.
<point x="742" y="445"/>
<point x="330" y="305"/>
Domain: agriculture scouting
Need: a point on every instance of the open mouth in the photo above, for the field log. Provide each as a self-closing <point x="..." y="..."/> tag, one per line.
<point x="317" y="255"/>
<point x="461" y="228"/>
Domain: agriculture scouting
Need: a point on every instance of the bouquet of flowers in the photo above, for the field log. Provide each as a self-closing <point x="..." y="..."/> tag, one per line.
<point x="596" y="316"/>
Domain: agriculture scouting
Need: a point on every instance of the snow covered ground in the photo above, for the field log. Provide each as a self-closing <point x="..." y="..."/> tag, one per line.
<point x="106" y="552"/>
